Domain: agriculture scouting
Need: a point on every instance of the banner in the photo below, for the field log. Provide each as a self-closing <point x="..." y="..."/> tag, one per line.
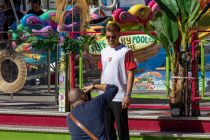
<point x="134" y="42"/>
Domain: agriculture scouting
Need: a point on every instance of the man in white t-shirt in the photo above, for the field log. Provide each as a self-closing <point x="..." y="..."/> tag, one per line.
<point x="117" y="65"/>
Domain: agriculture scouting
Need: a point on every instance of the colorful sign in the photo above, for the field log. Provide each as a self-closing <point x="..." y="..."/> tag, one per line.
<point x="62" y="90"/>
<point x="62" y="85"/>
<point x="134" y="42"/>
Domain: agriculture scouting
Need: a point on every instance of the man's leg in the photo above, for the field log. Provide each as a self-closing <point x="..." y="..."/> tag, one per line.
<point x="109" y="122"/>
<point x="121" y="116"/>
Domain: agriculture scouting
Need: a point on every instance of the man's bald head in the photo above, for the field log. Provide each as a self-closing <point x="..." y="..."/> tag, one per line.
<point x="75" y="94"/>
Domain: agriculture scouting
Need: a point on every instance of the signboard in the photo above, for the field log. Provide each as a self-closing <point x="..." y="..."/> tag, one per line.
<point x="134" y="42"/>
<point x="62" y="86"/>
<point x="62" y="91"/>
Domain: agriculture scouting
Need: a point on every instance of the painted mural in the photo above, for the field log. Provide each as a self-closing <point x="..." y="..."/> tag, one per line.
<point x="151" y="74"/>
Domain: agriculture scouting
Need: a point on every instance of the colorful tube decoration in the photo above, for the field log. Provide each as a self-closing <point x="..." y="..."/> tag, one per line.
<point x="36" y="34"/>
<point x="41" y="32"/>
<point x="136" y="18"/>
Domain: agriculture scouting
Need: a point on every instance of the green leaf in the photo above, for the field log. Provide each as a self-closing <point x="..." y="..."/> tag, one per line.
<point x="170" y="7"/>
<point x="164" y="42"/>
<point x="194" y="12"/>
<point x="171" y="28"/>
<point x="187" y="4"/>
<point x="183" y="6"/>
<point x="164" y="25"/>
<point x="33" y="40"/>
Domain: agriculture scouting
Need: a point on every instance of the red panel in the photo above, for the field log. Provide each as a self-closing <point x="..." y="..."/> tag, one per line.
<point x="203" y="3"/>
<point x="143" y="106"/>
<point x="143" y="125"/>
<point x="30" y="120"/>
<point x="161" y="107"/>
<point x="170" y="125"/>
<point x="134" y="124"/>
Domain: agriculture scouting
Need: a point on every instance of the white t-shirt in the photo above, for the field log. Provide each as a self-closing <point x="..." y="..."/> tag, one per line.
<point x="114" y="64"/>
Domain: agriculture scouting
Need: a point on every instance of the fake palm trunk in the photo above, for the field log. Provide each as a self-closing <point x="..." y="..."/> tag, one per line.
<point x="180" y="90"/>
<point x="179" y="71"/>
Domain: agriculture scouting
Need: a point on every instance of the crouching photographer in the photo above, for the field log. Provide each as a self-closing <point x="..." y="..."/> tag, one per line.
<point x="86" y="120"/>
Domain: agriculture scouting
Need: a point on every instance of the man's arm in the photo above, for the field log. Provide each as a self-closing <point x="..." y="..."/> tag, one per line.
<point x="130" y="66"/>
<point x="126" y="99"/>
<point x="95" y="86"/>
<point x="130" y="82"/>
<point x="102" y="101"/>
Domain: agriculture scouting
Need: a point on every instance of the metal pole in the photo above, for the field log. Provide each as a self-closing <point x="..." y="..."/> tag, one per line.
<point x="72" y="65"/>
<point x="195" y="104"/>
<point x="202" y="69"/>
<point x="168" y="75"/>
<point x="72" y="72"/>
<point x="193" y="71"/>
<point x="81" y="68"/>
<point x="14" y="10"/>
<point x="48" y="70"/>
<point x="48" y="4"/>
<point x="67" y="82"/>
<point x="56" y="75"/>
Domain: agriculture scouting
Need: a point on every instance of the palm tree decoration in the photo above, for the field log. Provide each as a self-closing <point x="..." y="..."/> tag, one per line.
<point x="81" y="43"/>
<point x="173" y="27"/>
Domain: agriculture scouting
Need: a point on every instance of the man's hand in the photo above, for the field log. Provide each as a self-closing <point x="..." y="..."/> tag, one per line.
<point x="126" y="102"/>
<point x="88" y="88"/>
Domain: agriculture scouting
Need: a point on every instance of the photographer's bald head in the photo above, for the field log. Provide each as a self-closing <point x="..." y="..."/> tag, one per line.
<point x="77" y="96"/>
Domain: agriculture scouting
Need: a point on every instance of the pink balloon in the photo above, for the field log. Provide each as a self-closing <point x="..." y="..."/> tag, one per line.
<point x="155" y="8"/>
<point x="151" y="3"/>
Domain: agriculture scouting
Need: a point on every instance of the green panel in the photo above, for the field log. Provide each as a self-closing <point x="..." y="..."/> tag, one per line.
<point x="14" y="135"/>
<point x="168" y="75"/>
<point x="203" y="69"/>
<point x="147" y="96"/>
<point x="169" y="138"/>
<point x="80" y="68"/>
<point x="139" y="95"/>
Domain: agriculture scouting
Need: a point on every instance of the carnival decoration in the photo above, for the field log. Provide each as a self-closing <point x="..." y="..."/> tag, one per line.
<point x="137" y="15"/>
<point x="39" y="32"/>
<point x="36" y="34"/>
<point x="67" y="76"/>
<point x="135" y="19"/>
<point x="12" y="87"/>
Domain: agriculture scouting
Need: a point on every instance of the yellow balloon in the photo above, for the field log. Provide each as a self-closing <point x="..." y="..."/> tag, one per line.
<point x="141" y="11"/>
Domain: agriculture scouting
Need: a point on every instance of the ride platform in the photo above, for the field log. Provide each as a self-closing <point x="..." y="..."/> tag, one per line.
<point x="36" y="117"/>
<point x="142" y="124"/>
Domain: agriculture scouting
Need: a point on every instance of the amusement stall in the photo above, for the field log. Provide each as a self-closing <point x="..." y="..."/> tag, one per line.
<point x="44" y="57"/>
